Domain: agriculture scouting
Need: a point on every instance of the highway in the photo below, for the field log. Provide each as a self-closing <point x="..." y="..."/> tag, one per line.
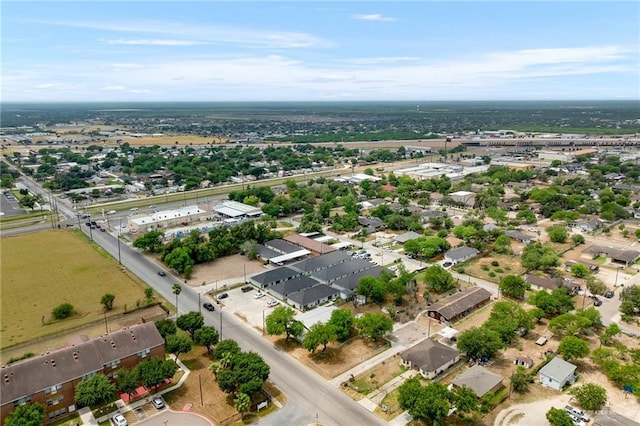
<point x="310" y="398"/>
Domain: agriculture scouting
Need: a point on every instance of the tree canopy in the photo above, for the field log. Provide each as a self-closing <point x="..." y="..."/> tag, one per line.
<point x="27" y="415"/>
<point x="281" y="321"/>
<point x="94" y="390"/>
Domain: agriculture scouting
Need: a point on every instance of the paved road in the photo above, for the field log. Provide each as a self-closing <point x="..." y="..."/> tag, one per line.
<point x="166" y="418"/>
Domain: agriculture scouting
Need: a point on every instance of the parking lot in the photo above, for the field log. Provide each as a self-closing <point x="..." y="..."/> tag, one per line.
<point x="245" y="305"/>
<point x="9" y="205"/>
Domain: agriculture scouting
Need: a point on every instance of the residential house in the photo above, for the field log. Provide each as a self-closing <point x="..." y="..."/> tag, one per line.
<point x="430" y="358"/>
<point x="557" y="374"/>
<point x="313" y="296"/>
<point x="403" y="238"/>
<point x="459" y="305"/>
<point x="274" y="276"/>
<point x="466" y="198"/>
<point x="460" y="254"/>
<point x="371" y="223"/>
<point x="51" y="378"/>
<point x="480" y="380"/>
<point x="523" y="361"/>
<point x="321" y="314"/>
<point x="587" y="225"/>
<point x="543" y="283"/>
<point x="519" y="236"/>
<point x="454" y="241"/>
<point x="619" y="256"/>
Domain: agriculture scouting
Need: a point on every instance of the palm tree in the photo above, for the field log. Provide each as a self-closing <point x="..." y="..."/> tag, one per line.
<point x="242" y="403"/>
<point x="177" y="289"/>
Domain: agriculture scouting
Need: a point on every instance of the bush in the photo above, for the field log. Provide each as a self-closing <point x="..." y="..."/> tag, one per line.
<point x="62" y="311"/>
<point x="492" y="274"/>
<point x="495" y="263"/>
<point x="461" y="270"/>
<point x="484" y="267"/>
<point x="499" y="271"/>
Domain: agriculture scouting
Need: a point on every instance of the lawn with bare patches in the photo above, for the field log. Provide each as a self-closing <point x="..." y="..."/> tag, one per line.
<point x="45" y="269"/>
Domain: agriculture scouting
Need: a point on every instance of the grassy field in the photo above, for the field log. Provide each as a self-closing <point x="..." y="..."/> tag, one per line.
<point x="44" y="269"/>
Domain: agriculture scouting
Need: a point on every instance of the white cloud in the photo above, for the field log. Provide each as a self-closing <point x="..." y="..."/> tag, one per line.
<point x="383" y="60"/>
<point x="374" y="17"/>
<point x="114" y="88"/>
<point x="154" y="42"/>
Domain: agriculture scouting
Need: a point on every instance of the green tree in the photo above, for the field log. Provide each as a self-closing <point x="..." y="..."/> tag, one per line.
<point x="536" y="256"/>
<point x="94" y="390"/>
<point x="438" y="279"/>
<point x="176" y="289"/>
<point x="225" y="347"/>
<point x="242" y="403"/>
<point x="318" y="334"/>
<point x="465" y="399"/>
<point x="577" y="239"/>
<point x="127" y="381"/>
<point x="572" y="347"/>
<point x="579" y="270"/>
<point x="166" y="327"/>
<point x="107" y="301"/>
<point x="528" y="216"/>
<point x="557" y="233"/>
<point x="342" y="321"/>
<point x="502" y="245"/>
<point x="246" y="373"/>
<point x="559" y="301"/>
<point x="590" y="396"/>
<point x="374" y="325"/>
<point x="281" y="321"/>
<point x="609" y="333"/>
<point x="520" y="379"/>
<point x="190" y="322"/>
<point x="148" y="293"/>
<point x="425" y="402"/>
<point x="373" y="288"/>
<point x="27" y="415"/>
<point x="178" y="344"/>
<point x="153" y="372"/>
<point x="150" y="241"/>
<point x="559" y="417"/>
<point x="207" y="336"/>
<point x="513" y="286"/>
<point x="63" y="311"/>
<point x="479" y="342"/>
<point x="569" y="324"/>
<point x="506" y="318"/>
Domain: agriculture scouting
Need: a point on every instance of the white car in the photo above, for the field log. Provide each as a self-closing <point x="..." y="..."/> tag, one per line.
<point x="134" y="209"/>
<point x="119" y="420"/>
<point x="258" y="295"/>
<point x="393" y="268"/>
<point x="110" y="212"/>
<point x="576" y="412"/>
<point x="272" y="303"/>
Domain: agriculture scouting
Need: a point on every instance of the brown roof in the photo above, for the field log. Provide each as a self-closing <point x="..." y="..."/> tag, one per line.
<point x="479" y="379"/>
<point x="35" y="374"/>
<point x="549" y="283"/>
<point x="430" y="355"/>
<point x="309" y="244"/>
<point x="460" y="302"/>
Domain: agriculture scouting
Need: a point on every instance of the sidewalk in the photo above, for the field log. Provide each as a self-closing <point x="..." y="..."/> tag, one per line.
<point x="87" y="416"/>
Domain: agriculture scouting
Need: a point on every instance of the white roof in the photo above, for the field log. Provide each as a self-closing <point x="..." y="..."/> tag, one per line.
<point x="448" y="332"/>
<point x="462" y="193"/>
<point x="324" y="238"/>
<point x="320" y="314"/>
<point x="289" y="256"/>
<point x="228" y="211"/>
<point x="235" y="209"/>
<point x="167" y="215"/>
<point x="342" y="244"/>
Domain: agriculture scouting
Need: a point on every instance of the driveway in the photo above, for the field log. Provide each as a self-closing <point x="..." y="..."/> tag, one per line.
<point x="533" y="413"/>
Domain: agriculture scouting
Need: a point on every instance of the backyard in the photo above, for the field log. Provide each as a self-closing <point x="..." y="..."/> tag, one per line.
<point x="494" y="268"/>
<point x="45" y="269"/>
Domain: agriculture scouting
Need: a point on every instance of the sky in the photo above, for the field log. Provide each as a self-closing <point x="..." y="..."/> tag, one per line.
<point x="120" y="51"/>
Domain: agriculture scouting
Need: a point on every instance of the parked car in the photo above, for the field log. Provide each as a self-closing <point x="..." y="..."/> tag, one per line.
<point x="258" y="295"/>
<point x="110" y="212"/>
<point x="577" y="412"/>
<point x="246" y="288"/>
<point x="119" y="420"/>
<point x="162" y="273"/>
<point x="209" y="307"/>
<point x="134" y="209"/>
<point x="272" y="303"/>
<point x="597" y="302"/>
<point x="608" y="294"/>
<point x="158" y="403"/>
<point x="393" y="268"/>
<point x="223" y="296"/>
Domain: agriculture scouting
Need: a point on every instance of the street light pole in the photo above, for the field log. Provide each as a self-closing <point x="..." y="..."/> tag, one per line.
<point x="616" y="283"/>
<point x="119" y="228"/>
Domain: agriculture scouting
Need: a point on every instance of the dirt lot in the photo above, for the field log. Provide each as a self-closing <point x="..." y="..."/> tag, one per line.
<point x="225" y="268"/>
<point x="482" y="268"/>
<point x="337" y="359"/>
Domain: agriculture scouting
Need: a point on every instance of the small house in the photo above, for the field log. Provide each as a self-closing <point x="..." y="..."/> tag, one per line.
<point x="430" y="358"/>
<point x="523" y="361"/>
<point x="557" y="374"/>
<point x="480" y="380"/>
<point x="460" y="254"/>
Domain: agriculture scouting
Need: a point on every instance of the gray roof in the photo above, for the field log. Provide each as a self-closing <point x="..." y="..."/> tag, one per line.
<point x="518" y="235"/>
<point x="40" y="372"/>
<point x="312" y="295"/>
<point x="611" y="418"/>
<point x="479" y="379"/>
<point x="282" y="246"/>
<point x="550" y="283"/>
<point x="319" y="262"/>
<point x="275" y="275"/>
<point x="460" y="302"/>
<point x="266" y="253"/>
<point x="614" y="253"/>
<point x="403" y="238"/>
<point x="350" y="282"/>
<point x="294" y="284"/>
<point x="558" y="369"/>
<point x="341" y="270"/>
<point x="459" y="253"/>
<point x="430" y="355"/>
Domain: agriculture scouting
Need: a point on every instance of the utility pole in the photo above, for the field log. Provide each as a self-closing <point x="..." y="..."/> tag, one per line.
<point x="119" y="228"/>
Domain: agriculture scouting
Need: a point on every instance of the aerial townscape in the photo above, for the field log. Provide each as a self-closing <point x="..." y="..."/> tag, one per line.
<point x="279" y="242"/>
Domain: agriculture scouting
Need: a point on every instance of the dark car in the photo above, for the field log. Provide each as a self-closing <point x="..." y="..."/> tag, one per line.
<point x="246" y="288"/>
<point x="597" y="302"/>
<point x="608" y="294"/>
<point x="162" y="273"/>
<point x="223" y="296"/>
<point x="209" y="307"/>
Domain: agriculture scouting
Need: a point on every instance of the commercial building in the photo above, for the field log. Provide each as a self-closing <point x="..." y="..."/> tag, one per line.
<point x="459" y="305"/>
<point x="165" y="218"/>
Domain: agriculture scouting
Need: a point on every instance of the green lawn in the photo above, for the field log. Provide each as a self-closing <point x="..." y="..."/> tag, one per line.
<point x="44" y="269"/>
